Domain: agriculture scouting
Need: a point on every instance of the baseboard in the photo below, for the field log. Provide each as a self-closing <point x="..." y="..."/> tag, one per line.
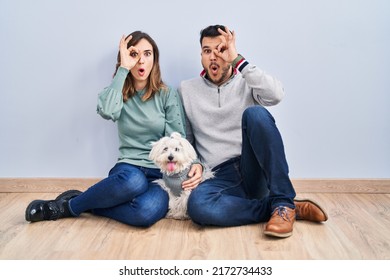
<point x="57" y="185"/>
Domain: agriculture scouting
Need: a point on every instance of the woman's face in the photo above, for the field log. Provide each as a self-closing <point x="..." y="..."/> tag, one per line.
<point x="142" y="69"/>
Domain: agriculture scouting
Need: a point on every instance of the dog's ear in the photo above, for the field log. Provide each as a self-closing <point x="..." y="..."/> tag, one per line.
<point x="157" y="147"/>
<point x="185" y="144"/>
<point x="153" y="143"/>
<point x="188" y="148"/>
<point x="176" y="135"/>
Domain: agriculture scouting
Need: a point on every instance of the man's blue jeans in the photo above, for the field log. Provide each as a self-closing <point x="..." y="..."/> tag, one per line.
<point x="246" y="189"/>
<point x="127" y="195"/>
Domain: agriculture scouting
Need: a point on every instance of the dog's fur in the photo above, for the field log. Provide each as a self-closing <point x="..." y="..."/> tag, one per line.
<point x="175" y="155"/>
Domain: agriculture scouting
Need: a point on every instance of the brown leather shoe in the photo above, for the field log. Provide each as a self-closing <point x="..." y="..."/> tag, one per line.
<point x="307" y="209"/>
<point x="281" y="222"/>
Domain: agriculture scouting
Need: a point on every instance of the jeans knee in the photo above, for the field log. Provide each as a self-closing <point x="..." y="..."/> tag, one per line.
<point x="258" y="115"/>
<point x="132" y="183"/>
<point x="257" y="118"/>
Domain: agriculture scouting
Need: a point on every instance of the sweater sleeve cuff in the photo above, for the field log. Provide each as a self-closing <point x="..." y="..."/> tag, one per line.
<point x="119" y="79"/>
<point x="239" y="63"/>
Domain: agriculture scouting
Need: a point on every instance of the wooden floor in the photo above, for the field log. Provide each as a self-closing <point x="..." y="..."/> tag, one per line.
<point x="358" y="229"/>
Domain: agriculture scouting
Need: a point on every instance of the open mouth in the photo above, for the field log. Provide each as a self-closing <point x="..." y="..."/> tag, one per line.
<point x="214" y="68"/>
<point x="141" y="71"/>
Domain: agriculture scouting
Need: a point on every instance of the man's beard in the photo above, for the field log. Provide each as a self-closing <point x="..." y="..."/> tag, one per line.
<point x="223" y="78"/>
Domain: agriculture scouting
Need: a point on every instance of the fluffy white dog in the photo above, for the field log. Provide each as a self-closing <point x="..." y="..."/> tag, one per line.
<point x="174" y="156"/>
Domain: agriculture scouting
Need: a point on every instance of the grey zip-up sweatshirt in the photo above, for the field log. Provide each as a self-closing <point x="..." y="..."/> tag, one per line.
<point x="214" y="113"/>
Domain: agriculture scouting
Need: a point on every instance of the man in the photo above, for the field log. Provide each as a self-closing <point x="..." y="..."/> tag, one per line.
<point x="237" y="137"/>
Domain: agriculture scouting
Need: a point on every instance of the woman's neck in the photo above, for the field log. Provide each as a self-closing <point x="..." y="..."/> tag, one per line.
<point x="139" y="86"/>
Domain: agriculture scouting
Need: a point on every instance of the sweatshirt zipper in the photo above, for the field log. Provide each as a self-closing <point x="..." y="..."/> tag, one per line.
<point x="219" y="98"/>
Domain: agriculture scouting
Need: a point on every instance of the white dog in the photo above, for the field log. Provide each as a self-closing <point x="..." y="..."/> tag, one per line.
<point x="174" y="156"/>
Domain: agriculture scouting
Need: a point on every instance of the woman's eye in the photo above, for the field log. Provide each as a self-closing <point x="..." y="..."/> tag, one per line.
<point x="133" y="54"/>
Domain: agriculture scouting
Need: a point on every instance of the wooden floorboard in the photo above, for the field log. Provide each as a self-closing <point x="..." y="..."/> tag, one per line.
<point x="55" y="185"/>
<point x="358" y="229"/>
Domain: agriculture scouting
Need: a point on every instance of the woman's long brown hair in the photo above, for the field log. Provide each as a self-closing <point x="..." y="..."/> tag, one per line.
<point x="155" y="83"/>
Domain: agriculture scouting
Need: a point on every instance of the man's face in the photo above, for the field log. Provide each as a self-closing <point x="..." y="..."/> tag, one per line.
<point x="218" y="71"/>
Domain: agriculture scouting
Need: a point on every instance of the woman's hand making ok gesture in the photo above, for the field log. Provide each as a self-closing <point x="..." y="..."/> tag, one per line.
<point x="129" y="56"/>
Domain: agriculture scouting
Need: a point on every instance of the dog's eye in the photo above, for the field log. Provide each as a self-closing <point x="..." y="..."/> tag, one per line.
<point x="177" y="149"/>
<point x="165" y="149"/>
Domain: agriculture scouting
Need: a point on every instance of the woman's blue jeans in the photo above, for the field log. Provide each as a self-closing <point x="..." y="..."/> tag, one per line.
<point x="127" y="195"/>
<point x="246" y="189"/>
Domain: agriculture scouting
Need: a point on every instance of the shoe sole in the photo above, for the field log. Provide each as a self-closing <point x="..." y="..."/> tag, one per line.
<point x="315" y="203"/>
<point x="275" y="234"/>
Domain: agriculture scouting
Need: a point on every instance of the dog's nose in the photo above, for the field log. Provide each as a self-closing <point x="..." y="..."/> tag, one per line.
<point x="170" y="157"/>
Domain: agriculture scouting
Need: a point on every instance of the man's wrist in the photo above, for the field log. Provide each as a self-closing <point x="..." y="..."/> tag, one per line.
<point x="237" y="60"/>
<point x="239" y="63"/>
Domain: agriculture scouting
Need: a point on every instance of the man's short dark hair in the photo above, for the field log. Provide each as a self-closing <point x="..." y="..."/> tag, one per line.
<point x="211" y="31"/>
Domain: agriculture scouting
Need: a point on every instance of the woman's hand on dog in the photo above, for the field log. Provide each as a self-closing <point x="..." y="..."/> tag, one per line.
<point x="195" y="175"/>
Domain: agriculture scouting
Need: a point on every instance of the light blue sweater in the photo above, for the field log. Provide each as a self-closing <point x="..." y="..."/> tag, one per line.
<point x="140" y="122"/>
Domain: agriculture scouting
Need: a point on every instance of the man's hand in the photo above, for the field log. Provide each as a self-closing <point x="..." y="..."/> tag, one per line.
<point x="195" y="175"/>
<point x="227" y="48"/>
<point x="129" y="56"/>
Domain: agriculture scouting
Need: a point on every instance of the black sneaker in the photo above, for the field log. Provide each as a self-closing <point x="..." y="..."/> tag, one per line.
<point x="68" y="194"/>
<point x="41" y="210"/>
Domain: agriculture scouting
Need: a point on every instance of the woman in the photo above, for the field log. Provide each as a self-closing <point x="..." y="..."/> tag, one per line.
<point x="145" y="110"/>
